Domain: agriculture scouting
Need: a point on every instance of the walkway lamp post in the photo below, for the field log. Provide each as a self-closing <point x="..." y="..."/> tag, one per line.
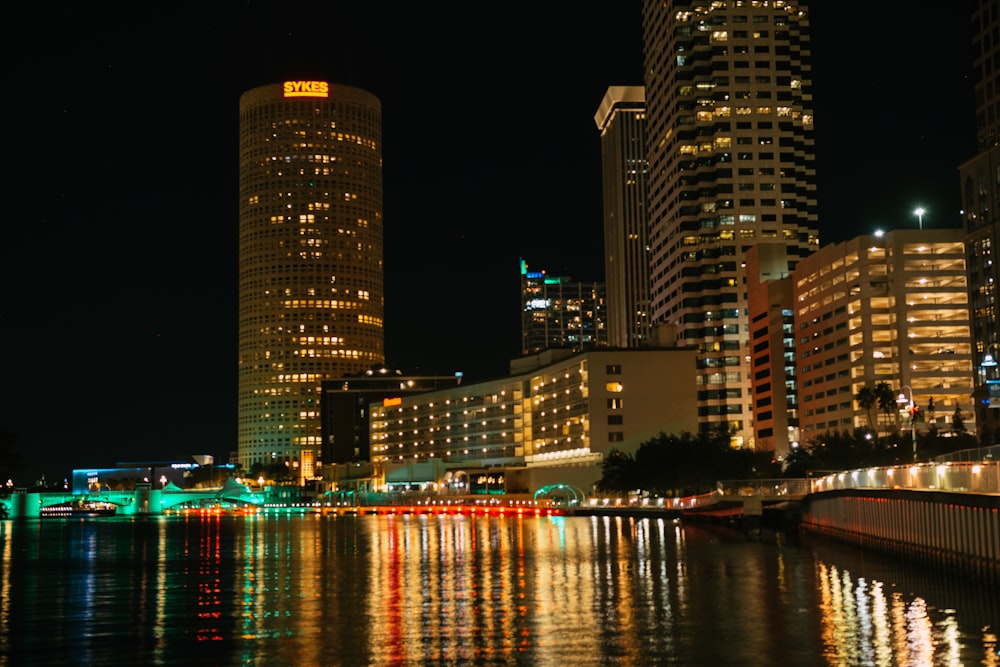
<point x="905" y="401"/>
<point x="919" y="212"/>
<point x="991" y="388"/>
<point x="988" y="363"/>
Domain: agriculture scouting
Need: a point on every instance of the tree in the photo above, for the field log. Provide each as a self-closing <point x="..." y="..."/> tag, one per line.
<point x="206" y="477"/>
<point x="842" y="451"/>
<point x="887" y="403"/>
<point x="867" y="400"/>
<point x="957" y="424"/>
<point x="682" y="465"/>
<point x="618" y="472"/>
<point x="275" y="472"/>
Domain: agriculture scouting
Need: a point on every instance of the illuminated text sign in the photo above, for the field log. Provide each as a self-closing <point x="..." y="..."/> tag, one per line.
<point x="306" y="89"/>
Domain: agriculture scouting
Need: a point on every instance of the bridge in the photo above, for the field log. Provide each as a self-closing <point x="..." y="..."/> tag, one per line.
<point x="142" y="500"/>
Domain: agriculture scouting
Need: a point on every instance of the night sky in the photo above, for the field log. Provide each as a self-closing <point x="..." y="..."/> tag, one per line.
<point x="119" y="319"/>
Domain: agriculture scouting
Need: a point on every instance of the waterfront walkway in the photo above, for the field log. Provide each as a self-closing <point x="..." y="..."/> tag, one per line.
<point x="732" y="499"/>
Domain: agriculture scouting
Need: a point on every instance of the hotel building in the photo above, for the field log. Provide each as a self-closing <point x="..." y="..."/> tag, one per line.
<point x="729" y="129"/>
<point x="621" y="120"/>
<point x="345" y="414"/>
<point x="310" y="261"/>
<point x="551" y="421"/>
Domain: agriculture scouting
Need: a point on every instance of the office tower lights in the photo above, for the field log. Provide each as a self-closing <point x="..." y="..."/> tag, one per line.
<point x="729" y="128"/>
<point x="621" y="120"/>
<point x="310" y="261"/>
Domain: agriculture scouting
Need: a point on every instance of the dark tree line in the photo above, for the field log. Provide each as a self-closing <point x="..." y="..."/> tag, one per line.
<point x="684" y="465"/>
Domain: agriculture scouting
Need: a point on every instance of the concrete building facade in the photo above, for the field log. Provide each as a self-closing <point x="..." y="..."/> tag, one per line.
<point x="621" y="120"/>
<point x="551" y="421"/>
<point x="887" y="308"/>
<point x="773" y="351"/>
<point x="345" y="414"/>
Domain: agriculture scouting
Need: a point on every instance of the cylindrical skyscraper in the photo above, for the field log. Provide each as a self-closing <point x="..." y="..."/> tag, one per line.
<point x="311" y="280"/>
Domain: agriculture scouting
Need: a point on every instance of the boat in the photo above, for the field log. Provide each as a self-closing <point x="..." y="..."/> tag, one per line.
<point x="80" y="508"/>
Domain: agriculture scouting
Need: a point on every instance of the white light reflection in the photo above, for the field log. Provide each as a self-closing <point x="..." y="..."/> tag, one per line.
<point x="920" y="634"/>
<point x="881" y="631"/>
<point x="860" y="625"/>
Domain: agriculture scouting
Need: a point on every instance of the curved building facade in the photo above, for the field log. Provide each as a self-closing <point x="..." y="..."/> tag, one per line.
<point x="311" y="295"/>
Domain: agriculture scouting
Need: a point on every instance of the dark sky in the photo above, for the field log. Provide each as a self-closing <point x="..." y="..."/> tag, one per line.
<point x="119" y="318"/>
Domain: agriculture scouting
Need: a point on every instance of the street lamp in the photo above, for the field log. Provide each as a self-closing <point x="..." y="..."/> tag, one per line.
<point x="902" y="400"/>
<point x="989" y="362"/>
<point x="920" y="216"/>
<point x="987" y="365"/>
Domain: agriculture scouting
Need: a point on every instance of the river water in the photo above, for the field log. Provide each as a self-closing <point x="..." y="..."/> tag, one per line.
<point x="470" y="590"/>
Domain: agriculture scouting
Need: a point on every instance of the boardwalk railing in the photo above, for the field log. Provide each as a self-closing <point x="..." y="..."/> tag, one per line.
<point x="977" y="476"/>
<point x="961" y="476"/>
<point x="728" y="491"/>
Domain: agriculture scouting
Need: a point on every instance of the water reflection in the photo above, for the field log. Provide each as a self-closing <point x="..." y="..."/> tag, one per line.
<point x="458" y="590"/>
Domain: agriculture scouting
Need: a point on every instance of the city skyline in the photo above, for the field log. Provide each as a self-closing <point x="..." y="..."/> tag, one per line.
<point x="125" y="259"/>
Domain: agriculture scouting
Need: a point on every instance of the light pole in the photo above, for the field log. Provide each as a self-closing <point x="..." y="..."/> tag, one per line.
<point x="989" y="362"/>
<point x="902" y="400"/>
<point x="920" y="216"/>
<point x="991" y="388"/>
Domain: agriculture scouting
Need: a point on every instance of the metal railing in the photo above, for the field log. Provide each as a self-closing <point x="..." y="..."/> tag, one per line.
<point x="966" y="474"/>
<point x="980" y="454"/>
<point x="960" y="476"/>
<point x="765" y="488"/>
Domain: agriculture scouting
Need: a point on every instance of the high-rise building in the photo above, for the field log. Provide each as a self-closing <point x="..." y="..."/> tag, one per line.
<point x="980" y="191"/>
<point x="986" y="71"/>
<point x="773" y="350"/>
<point x="887" y="309"/>
<point x="310" y="261"/>
<point x="729" y="128"/>
<point x="621" y="119"/>
<point x="558" y="312"/>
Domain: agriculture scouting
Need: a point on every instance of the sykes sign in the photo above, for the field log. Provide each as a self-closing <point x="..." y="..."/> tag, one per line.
<point x="306" y="89"/>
